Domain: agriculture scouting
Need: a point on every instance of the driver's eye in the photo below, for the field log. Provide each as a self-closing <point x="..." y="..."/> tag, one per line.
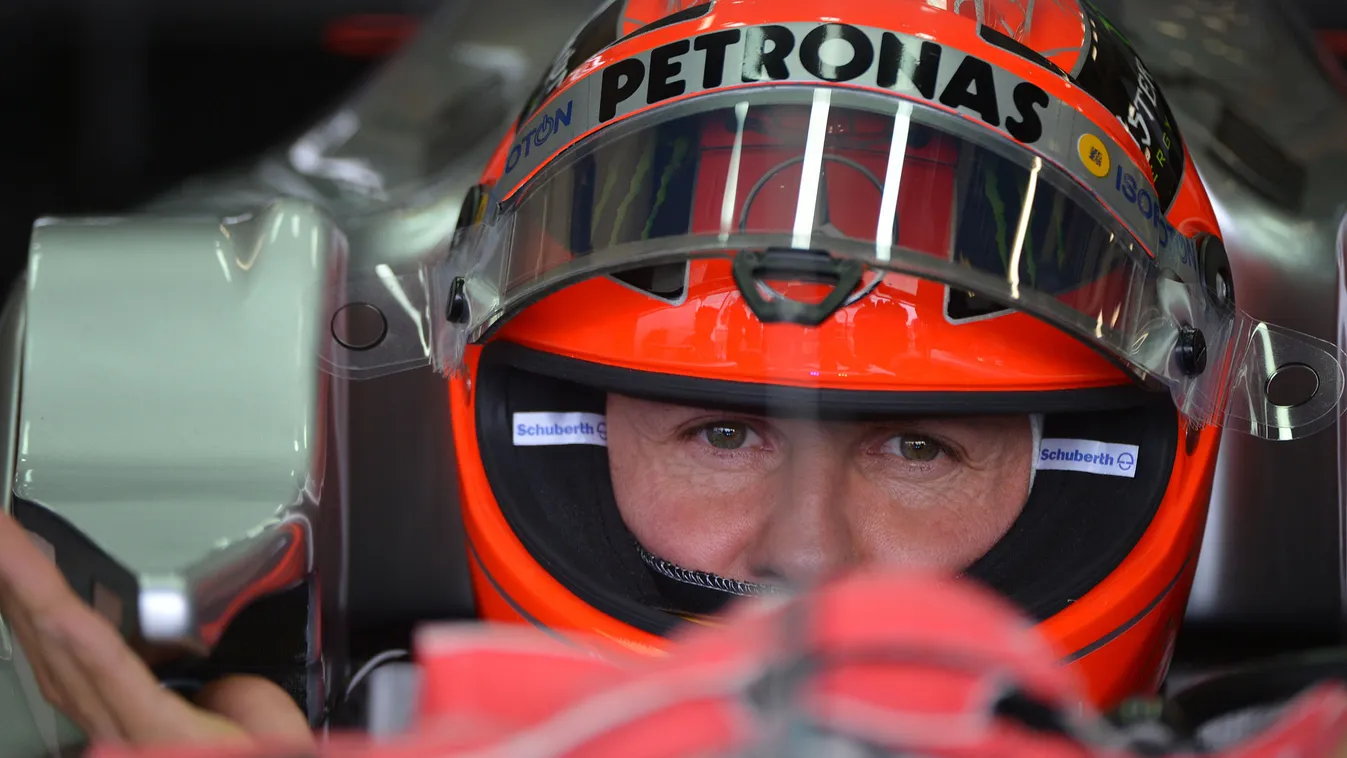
<point x="915" y="448"/>
<point x="727" y="435"/>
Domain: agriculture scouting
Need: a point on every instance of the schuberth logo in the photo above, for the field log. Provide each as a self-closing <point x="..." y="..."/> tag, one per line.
<point x="547" y="428"/>
<point x="835" y="53"/>
<point x="1088" y="457"/>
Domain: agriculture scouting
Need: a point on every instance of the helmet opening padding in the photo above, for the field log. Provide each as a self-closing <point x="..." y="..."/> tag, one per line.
<point x="1075" y="529"/>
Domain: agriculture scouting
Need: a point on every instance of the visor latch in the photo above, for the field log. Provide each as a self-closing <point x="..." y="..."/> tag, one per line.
<point x="753" y="269"/>
<point x="1191" y="351"/>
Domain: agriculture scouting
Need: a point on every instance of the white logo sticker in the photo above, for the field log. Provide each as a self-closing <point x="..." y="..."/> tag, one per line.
<point x="549" y="428"/>
<point x="1088" y="456"/>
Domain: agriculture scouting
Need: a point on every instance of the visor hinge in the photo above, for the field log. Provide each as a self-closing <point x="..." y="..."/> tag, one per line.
<point x="1191" y="351"/>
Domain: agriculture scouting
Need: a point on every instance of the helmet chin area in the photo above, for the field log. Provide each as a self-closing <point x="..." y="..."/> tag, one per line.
<point x="1075" y="528"/>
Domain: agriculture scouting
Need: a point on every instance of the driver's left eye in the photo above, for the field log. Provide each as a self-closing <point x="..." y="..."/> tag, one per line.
<point x="727" y="435"/>
<point x="915" y="448"/>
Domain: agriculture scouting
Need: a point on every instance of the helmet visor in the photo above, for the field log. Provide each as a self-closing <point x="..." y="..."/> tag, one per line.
<point x="845" y="187"/>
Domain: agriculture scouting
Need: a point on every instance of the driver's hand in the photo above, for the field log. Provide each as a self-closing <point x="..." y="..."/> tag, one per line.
<point x="87" y="671"/>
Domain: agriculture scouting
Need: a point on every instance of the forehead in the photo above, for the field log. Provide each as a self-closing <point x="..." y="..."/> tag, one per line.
<point x="645" y="410"/>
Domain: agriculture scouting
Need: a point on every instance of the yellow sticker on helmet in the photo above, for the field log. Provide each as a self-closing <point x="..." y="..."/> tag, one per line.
<point x="1094" y="155"/>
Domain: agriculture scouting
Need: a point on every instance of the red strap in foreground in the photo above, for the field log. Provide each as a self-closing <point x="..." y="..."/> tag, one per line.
<point x="905" y="663"/>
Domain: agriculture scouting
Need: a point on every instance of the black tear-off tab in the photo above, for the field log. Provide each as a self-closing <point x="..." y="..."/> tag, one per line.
<point x="379" y="323"/>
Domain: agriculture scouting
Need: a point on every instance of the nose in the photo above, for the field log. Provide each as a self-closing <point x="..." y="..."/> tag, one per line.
<point x="806" y="536"/>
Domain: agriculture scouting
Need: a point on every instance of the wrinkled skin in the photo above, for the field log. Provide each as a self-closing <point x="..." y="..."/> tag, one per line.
<point x="768" y="499"/>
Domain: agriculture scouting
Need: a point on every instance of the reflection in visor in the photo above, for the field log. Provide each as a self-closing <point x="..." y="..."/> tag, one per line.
<point x="956" y="200"/>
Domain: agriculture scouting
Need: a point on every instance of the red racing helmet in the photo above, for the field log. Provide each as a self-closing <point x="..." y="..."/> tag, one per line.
<point x="812" y="216"/>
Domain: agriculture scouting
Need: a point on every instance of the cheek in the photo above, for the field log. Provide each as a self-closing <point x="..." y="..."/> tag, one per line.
<point x="946" y="526"/>
<point x="679" y="511"/>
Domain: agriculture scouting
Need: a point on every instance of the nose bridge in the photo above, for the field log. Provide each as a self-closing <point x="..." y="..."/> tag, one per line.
<point x="807" y="535"/>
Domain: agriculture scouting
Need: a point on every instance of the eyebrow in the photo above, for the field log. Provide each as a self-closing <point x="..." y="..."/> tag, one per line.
<point x="971" y="423"/>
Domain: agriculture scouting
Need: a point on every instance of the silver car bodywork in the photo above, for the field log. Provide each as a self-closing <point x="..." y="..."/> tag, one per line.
<point x="169" y="504"/>
<point x="1266" y="121"/>
<point x="222" y="461"/>
<point x="167" y="405"/>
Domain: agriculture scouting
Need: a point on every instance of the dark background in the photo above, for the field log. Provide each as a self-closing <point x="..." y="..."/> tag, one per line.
<point x="107" y="103"/>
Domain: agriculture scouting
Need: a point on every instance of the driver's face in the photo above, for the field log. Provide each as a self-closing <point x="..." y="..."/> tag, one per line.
<point x="766" y="499"/>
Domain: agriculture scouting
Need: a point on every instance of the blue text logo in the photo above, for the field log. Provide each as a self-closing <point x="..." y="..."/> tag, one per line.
<point x="1138" y="194"/>
<point x="582" y="429"/>
<point x="542" y="130"/>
